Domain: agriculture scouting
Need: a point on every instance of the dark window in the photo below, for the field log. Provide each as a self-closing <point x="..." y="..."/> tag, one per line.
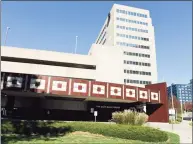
<point x="143" y="82"/>
<point x="125" y="71"/>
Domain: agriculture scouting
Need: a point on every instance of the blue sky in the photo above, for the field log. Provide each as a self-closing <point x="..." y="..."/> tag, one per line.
<point x="54" y="25"/>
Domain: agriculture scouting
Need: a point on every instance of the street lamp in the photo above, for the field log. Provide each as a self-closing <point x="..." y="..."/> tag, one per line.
<point x="76" y="44"/>
<point x="8" y="28"/>
<point x="181" y="101"/>
<point x="172" y="101"/>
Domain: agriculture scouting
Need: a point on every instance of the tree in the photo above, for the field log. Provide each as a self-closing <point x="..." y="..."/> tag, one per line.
<point x="176" y="103"/>
<point x="188" y="106"/>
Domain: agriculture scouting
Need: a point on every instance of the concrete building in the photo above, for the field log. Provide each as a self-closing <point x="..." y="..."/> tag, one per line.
<point x="183" y="92"/>
<point x="130" y="30"/>
<point x="38" y="84"/>
<point x="118" y="73"/>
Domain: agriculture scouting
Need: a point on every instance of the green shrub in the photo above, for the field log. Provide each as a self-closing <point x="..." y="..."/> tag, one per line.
<point x="141" y="118"/>
<point x="117" y="130"/>
<point x="129" y="117"/>
<point x="7" y="127"/>
<point x="179" y="119"/>
<point x="141" y="133"/>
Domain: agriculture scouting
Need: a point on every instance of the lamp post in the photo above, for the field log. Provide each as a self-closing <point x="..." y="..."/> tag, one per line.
<point x="172" y="101"/>
<point x="181" y="101"/>
<point x="76" y="44"/>
<point x="6" y="35"/>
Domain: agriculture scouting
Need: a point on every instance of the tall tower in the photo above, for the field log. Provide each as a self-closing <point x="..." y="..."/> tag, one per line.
<point x="130" y="30"/>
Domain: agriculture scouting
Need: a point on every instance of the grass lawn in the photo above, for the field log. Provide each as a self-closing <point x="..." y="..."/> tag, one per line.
<point x="76" y="137"/>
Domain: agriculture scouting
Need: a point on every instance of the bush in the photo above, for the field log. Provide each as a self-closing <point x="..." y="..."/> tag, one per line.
<point x="7" y="127"/>
<point x="113" y="130"/>
<point x="129" y="117"/>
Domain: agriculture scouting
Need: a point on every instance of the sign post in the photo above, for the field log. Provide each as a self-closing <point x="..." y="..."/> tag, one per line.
<point x="92" y="110"/>
<point x="95" y="115"/>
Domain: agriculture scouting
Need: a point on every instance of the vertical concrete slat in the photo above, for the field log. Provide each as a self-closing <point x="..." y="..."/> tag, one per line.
<point x="137" y="93"/>
<point x="89" y="88"/>
<point x="123" y="91"/>
<point x="149" y="94"/>
<point x="69" y="86"/>
<point x="3" y="77"/>
<point x="48" y="87"/>
<point x="107" y="90"/>
<point x="26" y="81"/>
<point x="159" y="97"/>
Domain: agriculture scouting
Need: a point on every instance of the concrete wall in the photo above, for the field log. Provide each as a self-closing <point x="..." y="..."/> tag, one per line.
<point x="46" y="55"/>
<point x="42" y="69"/>
<point x="37" y="69"/>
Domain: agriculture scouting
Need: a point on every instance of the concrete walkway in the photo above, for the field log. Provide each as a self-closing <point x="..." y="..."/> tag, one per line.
<point x="184" y="130"/>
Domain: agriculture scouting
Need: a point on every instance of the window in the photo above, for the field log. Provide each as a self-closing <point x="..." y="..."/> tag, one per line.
<point x="125" y="71"/>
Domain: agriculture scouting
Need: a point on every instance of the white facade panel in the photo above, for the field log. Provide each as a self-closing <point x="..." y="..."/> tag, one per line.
<point x="26" y="68"/>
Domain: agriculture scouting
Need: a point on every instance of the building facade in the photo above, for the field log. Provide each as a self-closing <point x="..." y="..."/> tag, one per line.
<point x="118" y="73"/>
<point x="183" y="92"/>
<point x="131" y="31"/>
<point x="46" y="85"/>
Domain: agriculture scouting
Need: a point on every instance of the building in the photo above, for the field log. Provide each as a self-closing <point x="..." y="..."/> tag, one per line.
<point x="130" y="30"/>
<point x="183" y="92"/>
<point x="39" y="84"/>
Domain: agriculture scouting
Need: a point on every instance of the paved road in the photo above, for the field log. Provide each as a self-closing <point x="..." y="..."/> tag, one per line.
<point x="184" y="130"/>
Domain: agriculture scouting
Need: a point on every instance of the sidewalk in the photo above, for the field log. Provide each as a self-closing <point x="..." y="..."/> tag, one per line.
<point x="184" y="130"/>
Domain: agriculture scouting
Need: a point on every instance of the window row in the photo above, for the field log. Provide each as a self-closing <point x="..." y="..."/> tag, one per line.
<point x="137" y="63"/>
<point x="101" y="34"/>
<point x="132" y="37"/>
<point x="132" y="45"/>
<point x="131" y="13"/>
<point x="185" y="97"/>
<point x="132" y="29"/>
<point x="102" y="38"/>
<point x="137" y="72"/>
<point x="104" y="42"/>
<point x="185" y="92"/>
<point x="136" y="54"/>
<point x="136" y="81"/>
<point x="132" y="21"/>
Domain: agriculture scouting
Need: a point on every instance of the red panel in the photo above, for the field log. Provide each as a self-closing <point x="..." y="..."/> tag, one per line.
<point x="130" y="93"/>
<point x="160" y="114"/>
<point x="58" y="88"/>
<point x="42" y="86"/>
<point x="99" y="89"/>
<point x="79" y="87"/>
<point x="113" y="91"/>
<point x="143" y="97"/>
<point x="153" y="97"/>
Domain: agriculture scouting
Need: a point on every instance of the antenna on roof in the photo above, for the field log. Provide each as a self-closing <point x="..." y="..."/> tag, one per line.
<point x="8" y="28"/>
<point x="76" y="44"/>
